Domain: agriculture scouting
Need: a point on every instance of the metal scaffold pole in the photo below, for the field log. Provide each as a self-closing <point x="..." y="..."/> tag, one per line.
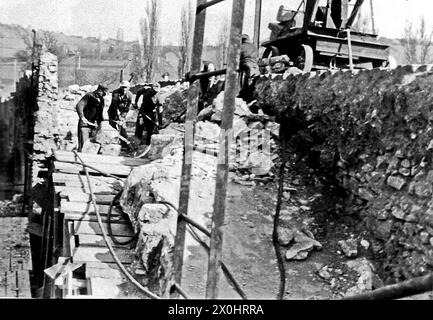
<point x="224" y="149"/>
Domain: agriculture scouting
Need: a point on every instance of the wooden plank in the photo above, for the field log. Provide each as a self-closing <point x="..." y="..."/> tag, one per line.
<point x="64" y="191"/>
<point x="86" y="208"/>
<point x="101" y="187"/>
<point x="93" y="218"/>
<point x="106" y="288"/>
<point x="74" y="195"/>
<point x="15" y="251"/>
<point x="117" y="170"/>
<point x="336" y="47"/>
<point x="15" y="284"/>
<point x="90" y="227"/>
<point x="88" y="240"/>
<point x="68" y="247"/>
<point x="81" y="179"/>
<point x="99" y="159"/>
<point x="103" y="270"/>
<point x="100" y="254"/>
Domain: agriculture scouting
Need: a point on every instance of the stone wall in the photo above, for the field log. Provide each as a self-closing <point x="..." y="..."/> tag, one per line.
<point x="372" y="134"/>
<point x="46" y="118"/>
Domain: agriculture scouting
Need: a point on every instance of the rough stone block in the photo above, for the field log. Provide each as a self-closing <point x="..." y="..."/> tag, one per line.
<point x="110" y="149"/>
<point x="396" y="182"/>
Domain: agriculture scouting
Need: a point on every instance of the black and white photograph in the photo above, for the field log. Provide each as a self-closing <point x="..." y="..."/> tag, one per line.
<point x="229" y="152"/>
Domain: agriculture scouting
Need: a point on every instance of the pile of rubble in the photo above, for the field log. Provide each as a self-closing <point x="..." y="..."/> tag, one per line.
<point x="11" y="208"/>
<point x="254" y="140"/>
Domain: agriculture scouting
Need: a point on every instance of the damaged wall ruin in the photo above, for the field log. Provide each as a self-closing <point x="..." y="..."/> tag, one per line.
<point x="370" y="133"/>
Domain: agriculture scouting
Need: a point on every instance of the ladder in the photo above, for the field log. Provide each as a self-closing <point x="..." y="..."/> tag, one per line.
<point x="230" y="94"/>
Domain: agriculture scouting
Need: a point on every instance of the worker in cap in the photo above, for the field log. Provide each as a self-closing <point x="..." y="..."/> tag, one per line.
<point x="149" y="115"/>
<point x="90" y="113"/>
<point x="120" y="105"/>
<point x="249" y="66"/>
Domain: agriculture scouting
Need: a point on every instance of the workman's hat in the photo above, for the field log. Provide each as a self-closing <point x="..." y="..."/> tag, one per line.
<point x="125" y="84"/>
<point x="102" y="88"/>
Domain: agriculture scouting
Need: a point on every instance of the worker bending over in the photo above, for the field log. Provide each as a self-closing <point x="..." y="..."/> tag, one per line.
<point x="119" y="108"/>
<point x="149" y="113"/>
<point x="90" y="111"/>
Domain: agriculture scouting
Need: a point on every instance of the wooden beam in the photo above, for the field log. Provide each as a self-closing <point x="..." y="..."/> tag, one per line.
<point x="226" y="136"/>
<point x="93" y="159"/>
<point x="190" y="119"/>
<point x="310" y="8"/>
<point x="90" y="227"/>
<point x="354" y="14"/>
<point x="99" y="254"/>
<point x="72" y="168"/>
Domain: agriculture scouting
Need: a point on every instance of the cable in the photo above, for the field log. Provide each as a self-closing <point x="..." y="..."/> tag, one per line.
<point x="109" y="246"/>
<point x="275" y="241"/>
<point x="110" y="231"/>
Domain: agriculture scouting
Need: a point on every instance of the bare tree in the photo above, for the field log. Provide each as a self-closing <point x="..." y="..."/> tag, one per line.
<point x="45" y="38"/>
<point x="223" y="43"/>
<point x="150" y="29"/>
<point x="417" y="42"/>
<point x="186" y="35"/>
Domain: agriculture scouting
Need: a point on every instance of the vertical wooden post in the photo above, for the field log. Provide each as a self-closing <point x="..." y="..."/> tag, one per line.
<point x="373" y="23"/>
<point x="257" y="23"/>
<point x="226" y="136"/>
<point x="191" y="115"/>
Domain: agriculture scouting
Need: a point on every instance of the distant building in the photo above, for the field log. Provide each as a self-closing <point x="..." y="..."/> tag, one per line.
<point x="120" y="34"/>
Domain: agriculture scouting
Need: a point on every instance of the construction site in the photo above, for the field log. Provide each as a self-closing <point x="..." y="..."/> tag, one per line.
<point x="308" y="176"/>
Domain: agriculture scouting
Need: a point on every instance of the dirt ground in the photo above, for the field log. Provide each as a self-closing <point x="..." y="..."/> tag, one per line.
<point x="249" y="253"/>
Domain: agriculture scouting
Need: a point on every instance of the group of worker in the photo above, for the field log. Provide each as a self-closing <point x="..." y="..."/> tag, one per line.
<point x="90" y="112"/>
<point x="90" y="107"/>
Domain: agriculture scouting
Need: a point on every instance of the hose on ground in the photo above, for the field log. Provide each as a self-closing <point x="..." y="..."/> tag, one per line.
<point x="110" y="230"/>
<point x="109" y="246"/>
<point x="275" y="239"/>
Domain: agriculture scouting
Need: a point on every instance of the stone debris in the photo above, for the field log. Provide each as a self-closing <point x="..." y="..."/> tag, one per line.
<point x="349" y="247"/>
<point x="91" y="147"/>
<point x="368" y="279"/>
<point x="285" y="236"/>
<point x="365" y="244"/>
<point x="302" y="247"/>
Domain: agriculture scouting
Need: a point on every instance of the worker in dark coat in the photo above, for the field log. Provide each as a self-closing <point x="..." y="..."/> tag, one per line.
<point x="120" y="105"/>
<point x="249" y="67"/>
<point x="149" y="113"/>
<point x="210" y="87"/>
<point x="90" y="112"/>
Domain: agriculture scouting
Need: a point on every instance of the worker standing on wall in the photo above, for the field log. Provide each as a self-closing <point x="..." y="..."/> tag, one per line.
<point x="90" y="111"/>
<point x="119" y="108"/>
<point x="249" y="67"/>
<point x="149" y="112"/>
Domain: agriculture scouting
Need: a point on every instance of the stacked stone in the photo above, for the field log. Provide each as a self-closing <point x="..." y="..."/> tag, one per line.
<point x="371" y="133"/>
<point x="46" y="120"/>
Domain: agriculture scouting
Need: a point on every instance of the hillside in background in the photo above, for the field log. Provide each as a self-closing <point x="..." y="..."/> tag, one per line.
<point x="101" y="60"/>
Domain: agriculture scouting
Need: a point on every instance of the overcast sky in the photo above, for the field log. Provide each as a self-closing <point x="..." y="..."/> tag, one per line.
<point x="104" y="17"/>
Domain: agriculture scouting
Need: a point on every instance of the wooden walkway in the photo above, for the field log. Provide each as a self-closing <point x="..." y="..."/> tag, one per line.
<point x="15" y="258"/>
<point x="82" y="236"/>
